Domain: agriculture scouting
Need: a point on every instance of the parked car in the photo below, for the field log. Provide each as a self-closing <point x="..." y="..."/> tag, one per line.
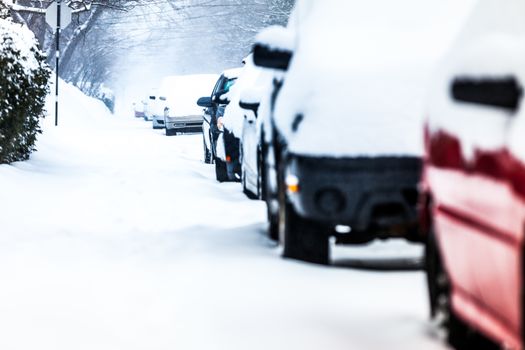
<point x="252" y="98"/>
<point x="344" y="158"/>
<point x="213" y="127"/>
<point x="154" y="109"/>
<point x="473" y="187"/>
<point x="148" y="105"/>
<point x="181" y="114"/>
<point x="138" y="109"/>
<point x="234" y="119"/>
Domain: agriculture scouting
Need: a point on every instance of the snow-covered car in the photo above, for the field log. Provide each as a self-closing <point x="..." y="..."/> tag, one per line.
<point x="181" y="113"/>
<point x="213" y="119"/>
<point x="345" y="150"/>
<point x="473" y="185"/>
<point x="138" y="109"/>
<point x="239" y="122"/>
<point x="154" y="109"/>
<point x="250" y="99"/>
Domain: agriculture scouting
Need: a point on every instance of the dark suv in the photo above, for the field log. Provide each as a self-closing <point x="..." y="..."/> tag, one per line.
<point x="213" y="130"/>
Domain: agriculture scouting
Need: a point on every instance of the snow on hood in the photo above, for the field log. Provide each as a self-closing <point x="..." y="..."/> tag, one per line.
<point x="183" y="91"/>
<point x="357" y="81"/>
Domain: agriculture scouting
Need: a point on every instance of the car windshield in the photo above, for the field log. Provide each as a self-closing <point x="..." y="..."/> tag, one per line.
<point x="228" y="84"/>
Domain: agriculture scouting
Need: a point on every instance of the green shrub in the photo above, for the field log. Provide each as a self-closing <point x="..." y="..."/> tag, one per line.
<point x="24" y="84"/>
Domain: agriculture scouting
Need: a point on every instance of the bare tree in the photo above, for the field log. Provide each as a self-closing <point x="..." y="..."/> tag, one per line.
<point x="174" y="36"/>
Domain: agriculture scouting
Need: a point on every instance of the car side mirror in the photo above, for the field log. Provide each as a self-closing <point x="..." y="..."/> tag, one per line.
<point x="273" y="48"/>
<point x="205" y="102"/>
<point x="500" y="92"/>
<point x="218" y="98"/>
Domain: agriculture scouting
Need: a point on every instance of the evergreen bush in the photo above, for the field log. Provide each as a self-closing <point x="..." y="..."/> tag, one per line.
<point x="24" y="84"/>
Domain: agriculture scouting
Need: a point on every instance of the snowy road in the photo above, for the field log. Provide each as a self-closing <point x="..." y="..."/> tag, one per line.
<point x="116" y="237"/>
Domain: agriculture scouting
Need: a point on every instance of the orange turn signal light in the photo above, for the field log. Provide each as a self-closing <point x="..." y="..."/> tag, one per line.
<point x="292" y="184"/>
<point x="293" y="188"/>
<point x="228" y="159"/>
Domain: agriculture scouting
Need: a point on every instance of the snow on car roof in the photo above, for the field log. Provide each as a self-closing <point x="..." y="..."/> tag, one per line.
<point x="490" y="45"/>
<point x="183" y="91"/>
<point x="232" y="73"/>
<point x="359" y="74"/>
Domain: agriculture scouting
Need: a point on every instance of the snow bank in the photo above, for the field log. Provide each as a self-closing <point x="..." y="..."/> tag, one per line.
<point x="75" y="108"/>
<point x="183" y="91"/>
<point x="359" y="74"/>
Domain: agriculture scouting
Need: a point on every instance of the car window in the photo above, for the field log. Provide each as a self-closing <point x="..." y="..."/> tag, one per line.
<point x="218" y="85"/>
<point x="228" y="84"/>
<point x="162" y="98"/>
<point x="152" y="98"/>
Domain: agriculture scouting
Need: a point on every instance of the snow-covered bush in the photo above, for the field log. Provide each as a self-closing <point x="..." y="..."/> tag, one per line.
<point x="24" y="78"/>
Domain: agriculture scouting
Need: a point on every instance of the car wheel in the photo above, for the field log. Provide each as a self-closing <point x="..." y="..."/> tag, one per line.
<point x="207" y="153"/>
<point x="221" y="171"/>
<point x="458" y="334"/>
<point x="304" y="239"/>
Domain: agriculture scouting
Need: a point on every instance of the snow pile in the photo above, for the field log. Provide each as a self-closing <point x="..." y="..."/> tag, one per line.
<point x="75" y="108"/>
<point x="182" y="92"/>
<point x="359" y="74"/>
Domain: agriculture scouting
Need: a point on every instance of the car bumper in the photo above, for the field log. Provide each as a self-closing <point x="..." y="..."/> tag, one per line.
<point x="376" y="195"/>
<point x="184" y="123"/>
<point x="158" y="122"/>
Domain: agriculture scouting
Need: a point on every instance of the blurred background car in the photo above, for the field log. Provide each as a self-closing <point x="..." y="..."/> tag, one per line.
<point x="181" y="114"/>
<point x="473" y="192"/>
<point x="154" y="109"/>
<point x="138" y="109"/>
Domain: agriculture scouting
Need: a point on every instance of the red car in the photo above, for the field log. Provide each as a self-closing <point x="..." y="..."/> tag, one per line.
<point x="473" y="186"/>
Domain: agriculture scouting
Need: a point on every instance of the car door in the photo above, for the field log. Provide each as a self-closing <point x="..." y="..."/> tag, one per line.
<point x="250" y="147"/>
<point x="478" y="217"/>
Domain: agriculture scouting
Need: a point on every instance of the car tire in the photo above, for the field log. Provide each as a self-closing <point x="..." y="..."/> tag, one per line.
<point x="245" y="190"/>
<point x="304" y="239"/>
<point x="170" y="132"/>
<point x="207" y="153"/>
<point x="221" y="170"/>
<point x="458" y="334"/>
<point x="261" y="176"/>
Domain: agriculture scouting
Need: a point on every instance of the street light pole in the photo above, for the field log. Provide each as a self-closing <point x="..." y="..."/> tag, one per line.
<point x="57" y="59"/>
